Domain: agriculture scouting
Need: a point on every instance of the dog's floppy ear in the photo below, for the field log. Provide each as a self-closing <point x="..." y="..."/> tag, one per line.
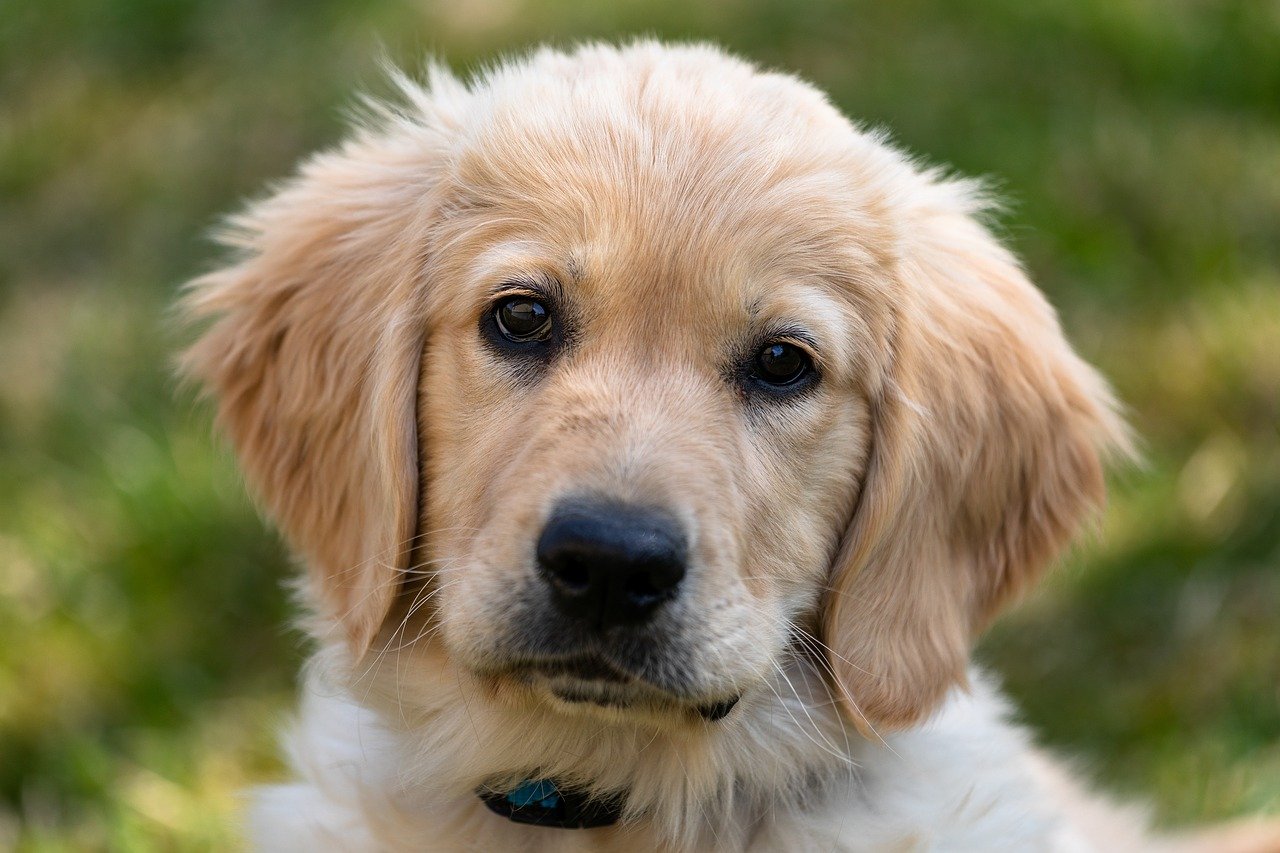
<point x="312" y="356"/>
<point x="987" y="447"/>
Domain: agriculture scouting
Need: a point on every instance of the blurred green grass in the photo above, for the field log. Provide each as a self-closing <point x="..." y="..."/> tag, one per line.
<point x="145" y="660"/>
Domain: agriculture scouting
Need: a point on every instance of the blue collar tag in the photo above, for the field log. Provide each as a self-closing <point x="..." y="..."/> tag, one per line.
<point x="543" y="802"/>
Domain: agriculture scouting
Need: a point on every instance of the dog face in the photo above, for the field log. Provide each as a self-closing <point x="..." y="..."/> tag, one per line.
<point x="618" y="375"/>
<point x="644" y="416"/>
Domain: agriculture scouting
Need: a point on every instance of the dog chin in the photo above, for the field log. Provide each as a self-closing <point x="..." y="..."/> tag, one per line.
<point x="603" y="694"/>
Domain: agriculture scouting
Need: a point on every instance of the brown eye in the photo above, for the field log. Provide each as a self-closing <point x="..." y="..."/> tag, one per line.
<point x="522" y="319"/>
<point x="781" y="363"/>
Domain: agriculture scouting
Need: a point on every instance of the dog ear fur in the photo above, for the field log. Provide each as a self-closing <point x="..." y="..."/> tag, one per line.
<point x="312" y="354"/>
<point x="989" y="436"/>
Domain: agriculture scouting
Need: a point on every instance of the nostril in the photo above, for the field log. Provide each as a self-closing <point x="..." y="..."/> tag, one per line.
<point x="650" y="585"/>
<point x="642" y="591"/>
<point x="571" y="576"/>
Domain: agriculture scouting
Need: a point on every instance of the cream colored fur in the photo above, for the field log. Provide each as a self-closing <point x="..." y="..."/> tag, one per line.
<point x="848" y="545"/>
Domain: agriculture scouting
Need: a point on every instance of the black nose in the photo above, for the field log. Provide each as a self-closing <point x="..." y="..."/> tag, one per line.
<point x="609" y="563"/>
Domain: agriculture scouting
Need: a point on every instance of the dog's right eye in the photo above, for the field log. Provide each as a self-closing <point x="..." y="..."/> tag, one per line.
<point x="522" y="319"/>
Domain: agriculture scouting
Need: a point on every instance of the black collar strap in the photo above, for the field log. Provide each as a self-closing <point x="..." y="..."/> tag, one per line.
<point x="545" y="802"/>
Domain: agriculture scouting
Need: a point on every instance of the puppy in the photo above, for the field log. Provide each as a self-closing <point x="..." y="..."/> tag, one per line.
<point x="657" y="443"/>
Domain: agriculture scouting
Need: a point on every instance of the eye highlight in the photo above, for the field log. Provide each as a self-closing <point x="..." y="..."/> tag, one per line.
<point x="523" y="319"/>
<point x="781" y="364"/>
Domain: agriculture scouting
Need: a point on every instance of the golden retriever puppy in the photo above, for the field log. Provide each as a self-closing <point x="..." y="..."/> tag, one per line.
<point x="657" y="443"/>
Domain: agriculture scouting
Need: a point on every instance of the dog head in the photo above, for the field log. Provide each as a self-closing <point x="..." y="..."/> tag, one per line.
<point x="616" y="374"/>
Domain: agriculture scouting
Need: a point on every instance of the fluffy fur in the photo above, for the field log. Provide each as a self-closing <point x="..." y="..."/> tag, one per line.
<point x="849" y="543"/>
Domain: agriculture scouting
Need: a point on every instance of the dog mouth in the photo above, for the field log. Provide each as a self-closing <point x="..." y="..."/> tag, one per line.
<point x="594" y="680"/>
<point x="583" y="668"/>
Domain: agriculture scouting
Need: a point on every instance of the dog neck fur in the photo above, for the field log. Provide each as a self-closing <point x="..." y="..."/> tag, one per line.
<point x="438" y="735"/>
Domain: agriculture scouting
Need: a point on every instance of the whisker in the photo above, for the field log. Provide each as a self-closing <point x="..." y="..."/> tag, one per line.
<point x="819" y="650"/>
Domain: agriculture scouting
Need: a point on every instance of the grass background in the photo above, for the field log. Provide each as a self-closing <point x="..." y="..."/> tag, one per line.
<point x="143" y="666"/>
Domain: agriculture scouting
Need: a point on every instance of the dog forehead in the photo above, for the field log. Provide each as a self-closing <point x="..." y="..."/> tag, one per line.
<point x="680" y="183"/>
<point x="701" y="226"/>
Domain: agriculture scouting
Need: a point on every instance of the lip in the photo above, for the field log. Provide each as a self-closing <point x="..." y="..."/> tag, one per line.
<point x="593" y="680"/>
<point x="582" y="668"/>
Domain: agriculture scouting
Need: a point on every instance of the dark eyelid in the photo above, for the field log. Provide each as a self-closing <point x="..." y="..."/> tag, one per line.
<point x="538" y="349"/>
<point x="543" y="289"/>
<point x="797" y="337"/>
<point x="537" y="286"/>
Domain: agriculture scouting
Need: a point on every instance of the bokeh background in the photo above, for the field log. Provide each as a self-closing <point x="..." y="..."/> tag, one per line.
<point x="144" y="662"/>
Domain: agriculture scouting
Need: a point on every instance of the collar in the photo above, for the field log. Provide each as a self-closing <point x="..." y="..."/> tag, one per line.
<point x="545" y="802"/>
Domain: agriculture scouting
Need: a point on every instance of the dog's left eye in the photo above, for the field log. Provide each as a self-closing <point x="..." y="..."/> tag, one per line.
<point x="522" y="319"/>
<point x="780" y="363"/>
